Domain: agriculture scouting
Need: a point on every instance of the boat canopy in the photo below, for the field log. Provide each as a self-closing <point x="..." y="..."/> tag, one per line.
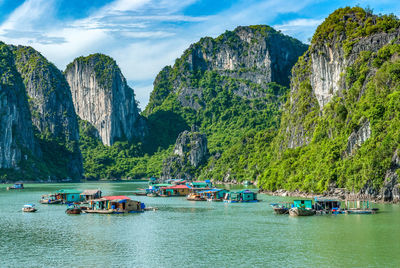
<point x="29" y="205"/>
<point x="68" y="191"/>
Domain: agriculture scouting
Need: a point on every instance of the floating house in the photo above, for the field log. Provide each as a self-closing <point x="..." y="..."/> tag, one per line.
<point x="176" y="190"/>
<point x="69" y="195"/>
<point x="16" y="186"/>
<point x="359" y="206"/>
<point x="88" y="195"/>
<point x="213" y="194"/>
<point x="303" y="204"/>
<point x="326" y="205"/>
<point x="241" y="196"/>
<point x="115" y="205"/>
<point x="201" y="184"/>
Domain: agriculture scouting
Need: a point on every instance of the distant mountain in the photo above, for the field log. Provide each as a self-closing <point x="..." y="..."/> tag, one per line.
<point x="228" y="86"/>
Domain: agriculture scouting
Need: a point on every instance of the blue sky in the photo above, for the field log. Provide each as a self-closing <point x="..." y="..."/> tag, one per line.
<point x="145" y="35"/>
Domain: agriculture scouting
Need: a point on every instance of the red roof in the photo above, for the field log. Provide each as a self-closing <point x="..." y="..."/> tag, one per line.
<point x="116" y="197"/>
<point x="177" y="187"/>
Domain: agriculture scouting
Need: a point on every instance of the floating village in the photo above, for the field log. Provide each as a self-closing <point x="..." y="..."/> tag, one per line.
<point x="92" y="200"/>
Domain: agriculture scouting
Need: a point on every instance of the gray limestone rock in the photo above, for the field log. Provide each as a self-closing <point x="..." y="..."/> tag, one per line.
<point x="102" y="97"/>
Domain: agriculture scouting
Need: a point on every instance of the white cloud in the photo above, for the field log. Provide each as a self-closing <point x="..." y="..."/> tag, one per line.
<point x="141" y="35"/>
<point x="299" y="28"/>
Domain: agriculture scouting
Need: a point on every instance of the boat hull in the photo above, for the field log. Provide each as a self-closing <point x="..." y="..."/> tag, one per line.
<point x="50" y="202"/>
<point x="29" y="209"/>
<point x="73" y="211"/>
<point x="295" y="212"/>
<point x="281" y="210"/>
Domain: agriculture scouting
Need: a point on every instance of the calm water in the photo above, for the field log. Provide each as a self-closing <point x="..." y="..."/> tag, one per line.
<point x="189" y="234"/>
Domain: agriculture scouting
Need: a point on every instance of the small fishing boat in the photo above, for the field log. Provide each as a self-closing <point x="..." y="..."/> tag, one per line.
<point x="140" y="193"/>
<point x="195" y="197"/>
<point x="281" y="207"/>
<point x="16" y="186"/>
<point x="73" y="209"/>
<point x="152" y="194"/>
<point x="297" y="211"/>
<point x="29" y="208"/>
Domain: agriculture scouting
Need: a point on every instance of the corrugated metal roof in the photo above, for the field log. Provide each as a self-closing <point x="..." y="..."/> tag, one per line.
<point x="90" y="192"/>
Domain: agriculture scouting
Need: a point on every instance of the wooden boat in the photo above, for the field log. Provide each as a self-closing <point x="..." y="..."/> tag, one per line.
<point x="29" y="208"/>
<point x="73" y="209"/>
<point x="195" y="197"/>
<point x="140" y="193"/>
<point x="281" y="207"/>
<point x="16" y="186"/>
<point x="152" y="194"/>
<point x="296" y="211"/>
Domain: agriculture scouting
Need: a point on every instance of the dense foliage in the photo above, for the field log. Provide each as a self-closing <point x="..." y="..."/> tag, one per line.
<point x="371" y="94"/>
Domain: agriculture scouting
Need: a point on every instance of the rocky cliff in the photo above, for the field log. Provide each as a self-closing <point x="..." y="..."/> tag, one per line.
<point x="228" y="86"/>
<point x="339" y="123"/>
<point x="102" y="97"/>
<point x="16" y="137"/>
<point x="252" y="55"/>
<point x="51" y="107"/>
<point x="189" y="153"/>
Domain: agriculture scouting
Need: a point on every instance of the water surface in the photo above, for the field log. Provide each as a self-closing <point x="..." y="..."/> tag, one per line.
<point x="189" y="234"/>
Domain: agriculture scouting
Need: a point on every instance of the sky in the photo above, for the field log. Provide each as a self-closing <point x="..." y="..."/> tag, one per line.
<point x="143" y="36"/>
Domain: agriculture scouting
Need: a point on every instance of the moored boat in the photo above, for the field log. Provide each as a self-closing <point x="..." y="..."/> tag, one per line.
<point x="195" y="197"/>
<point x="244" y="196"/>
<point x="281" y="207"/>
<point x="297" y="211"/>
<point x="49" y="199"/>
<point x="73" y="209"/>
<point x="29" y="208"/>
<point x="302" y="208"/>
<point x="115" y="205"/>
<point x="16" y="186"/>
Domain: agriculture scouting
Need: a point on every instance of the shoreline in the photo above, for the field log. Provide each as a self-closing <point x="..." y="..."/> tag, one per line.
<point x="338" y="194"/>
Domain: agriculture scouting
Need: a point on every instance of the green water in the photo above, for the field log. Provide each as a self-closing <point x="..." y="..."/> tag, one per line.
<point x="189" y="234"/>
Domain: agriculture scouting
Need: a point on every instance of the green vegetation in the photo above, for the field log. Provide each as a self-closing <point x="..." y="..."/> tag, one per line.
<point x="371" y="94"/>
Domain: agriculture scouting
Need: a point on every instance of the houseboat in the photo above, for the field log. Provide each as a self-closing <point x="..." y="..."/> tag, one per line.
<point x="201" y="184"/>
<point x="69" y="196"/>
<point x="244" y="196"/>
<point x="88" y="195"/>
<point x="114" y="205"/>
<point x="16" y="186"/>
<point x="359" y="206"/>
<point x="327" y="206"/>
<point x="216" y="195"/>
<point x="176" y="190"/>
<point x="302" y="208"/>
<point x="49" y="199"/>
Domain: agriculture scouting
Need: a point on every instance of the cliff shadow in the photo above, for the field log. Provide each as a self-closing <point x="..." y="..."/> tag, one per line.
<point x="164" y="128"/>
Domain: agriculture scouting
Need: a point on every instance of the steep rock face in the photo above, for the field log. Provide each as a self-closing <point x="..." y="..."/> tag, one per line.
<point x="50" y="104"/>
<point x="357" y="138"/>
<point x="251" y="54"/>
<point x="344" y="91"/>
<point x="16" y="136"/>
<point x="189" y="153"/>
<point x="102" y="97"/>
<point x="321" y="73"/>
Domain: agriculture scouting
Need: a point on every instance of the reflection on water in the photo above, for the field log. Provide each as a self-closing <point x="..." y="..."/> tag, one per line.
<point x="183" y="233"/>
